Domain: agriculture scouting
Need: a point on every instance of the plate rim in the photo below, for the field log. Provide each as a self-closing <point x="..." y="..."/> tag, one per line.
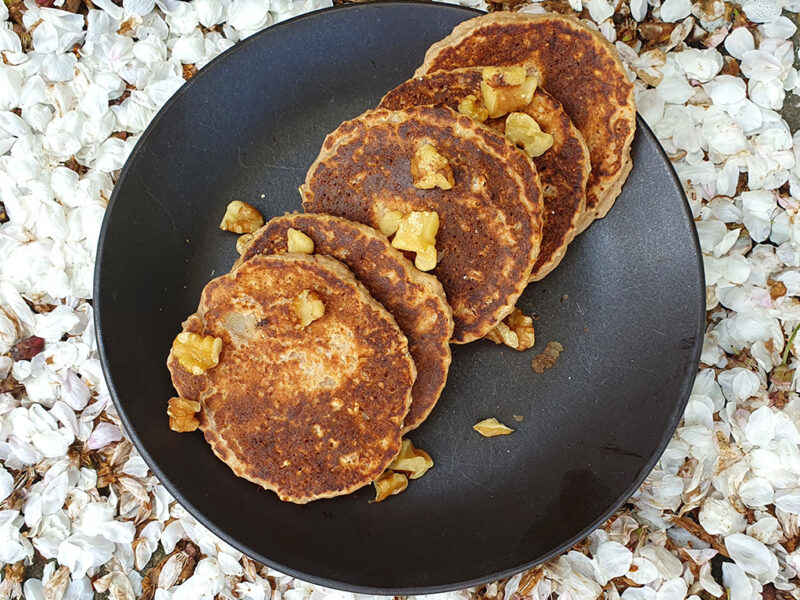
<point x="178" y="496"/>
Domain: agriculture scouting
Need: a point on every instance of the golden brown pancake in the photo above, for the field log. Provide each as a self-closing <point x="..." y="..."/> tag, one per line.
<point x="563" y="170"/>
<point x="490" y="221"/>
<point x="415" y="299"/>
<point x="578" y="66"/>
<point x="308" y="413"/>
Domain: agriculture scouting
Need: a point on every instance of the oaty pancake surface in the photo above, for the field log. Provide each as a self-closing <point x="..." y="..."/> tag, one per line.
<point x="415" y="299"/>
<point x="563" y="169"/>
<point x="578" y="66"/>
<point x="308" y="413"/>
<point x="489" y="222"/>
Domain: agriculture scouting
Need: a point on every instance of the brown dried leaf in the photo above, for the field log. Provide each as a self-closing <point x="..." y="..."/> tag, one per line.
<point x="656" y="34"/>
<point x="16" y="10"/>
<point x="776" y="289"/>
<point x="697" y="530"/>
<point x="11" y="586"/>
<point x="133" y="487"/>
<point x="120" y="588"/>
<point x="529" y="581"/>
<point x="56" y="586"/>
<point x="680" y="33"/>
<point x="172" y="570"/>
<point x="101" y="584"/>
<point x="547" y="358"/>
<point x="27" y="348"/>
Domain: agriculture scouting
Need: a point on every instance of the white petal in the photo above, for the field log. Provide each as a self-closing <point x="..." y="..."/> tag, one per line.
<point x="642" y="571"/>
<point x="782" y="28"/>
<point x="707" y="582"/>
<point x="6" y="484"/>
<point x="757" y="210"/>
<point x="739" y="41"/>
<point x="10" y="88"/>
<point x="81" y="552"/>
<point x="639" y="593"/>
<point x="718" y="517"/>
<point x="103" y="435"/>
<point x="699" y="64"/>
<point x="674" y="589"/>
<point x="600" y="10"/>
<point x="613" y="560"/>
<point x="762" y="11"/>
<point x="751" y="555"/>
<point x="760" y="428"/>
<point x="789" y="503"/>
<point x="675" y="10"/>
<point x="756" y="492"/>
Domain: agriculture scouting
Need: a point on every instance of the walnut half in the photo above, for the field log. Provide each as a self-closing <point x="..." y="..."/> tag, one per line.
<point x="297" y="241"/>
<point x="412" y="461"/>
<point x="416" y="232"/>
<point x="307" y="307"/>
<point x="241" y="217"/>
<point x="515" y="331"/>
<point x="430" y="169"/>
<point x="491" y="428"/>
<point x="473" y="108"/>
<point x="389" y="484"/>
<point x="182" y="414"/>
<point x="197" y="353"/>
<point x="506" y="89"/>
<point x="523" y="130"/>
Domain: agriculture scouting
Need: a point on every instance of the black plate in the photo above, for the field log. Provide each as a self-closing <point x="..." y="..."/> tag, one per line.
<point x="627" y="304"/>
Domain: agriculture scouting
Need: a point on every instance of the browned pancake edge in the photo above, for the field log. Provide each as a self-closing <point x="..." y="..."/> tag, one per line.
<point x="578" y="66"/>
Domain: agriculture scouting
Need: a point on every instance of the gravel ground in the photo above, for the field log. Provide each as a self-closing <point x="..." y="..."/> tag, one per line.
<point x="81" y="516"/>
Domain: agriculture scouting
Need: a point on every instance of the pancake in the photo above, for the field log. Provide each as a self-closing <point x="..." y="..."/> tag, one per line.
<point x="563" y="170"/>
<point x="415" y="299"/>
<point x="489" y="222"/>
<point x="578" y="66"/>
<point x="308" y="413"/>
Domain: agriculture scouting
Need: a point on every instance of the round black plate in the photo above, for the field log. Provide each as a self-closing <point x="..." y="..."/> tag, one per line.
<point x="627" y="304"/>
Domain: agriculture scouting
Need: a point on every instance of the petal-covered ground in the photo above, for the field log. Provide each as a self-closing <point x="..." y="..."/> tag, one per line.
<point x="79" y="512"/>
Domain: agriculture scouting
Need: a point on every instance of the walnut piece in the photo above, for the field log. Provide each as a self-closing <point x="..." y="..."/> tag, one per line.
<point x="523" y="130"/>
<point x="547" y="358"/>
<point x="389" y="484"/>
<point x="412" y="461"/>
<point x="506" y="89"/>
<point x="515" y="331"/>
<point x="430" y="169"/>
<point x="197" y="353"/>
<point x="473" y="108"/>
<point x="491" y="428"/>
<point x="389" y="222"/>
<point x="297" y="241"/>
<point x="242" y="241"/>
<point x="307" y="307"/>
<point x="416" y="232"/>
<point x="182" y="414"/>
<point x="241" y="217"/>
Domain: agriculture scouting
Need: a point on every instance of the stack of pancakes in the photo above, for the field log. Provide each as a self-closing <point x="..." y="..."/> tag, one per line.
<point x="319" y="410"/>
